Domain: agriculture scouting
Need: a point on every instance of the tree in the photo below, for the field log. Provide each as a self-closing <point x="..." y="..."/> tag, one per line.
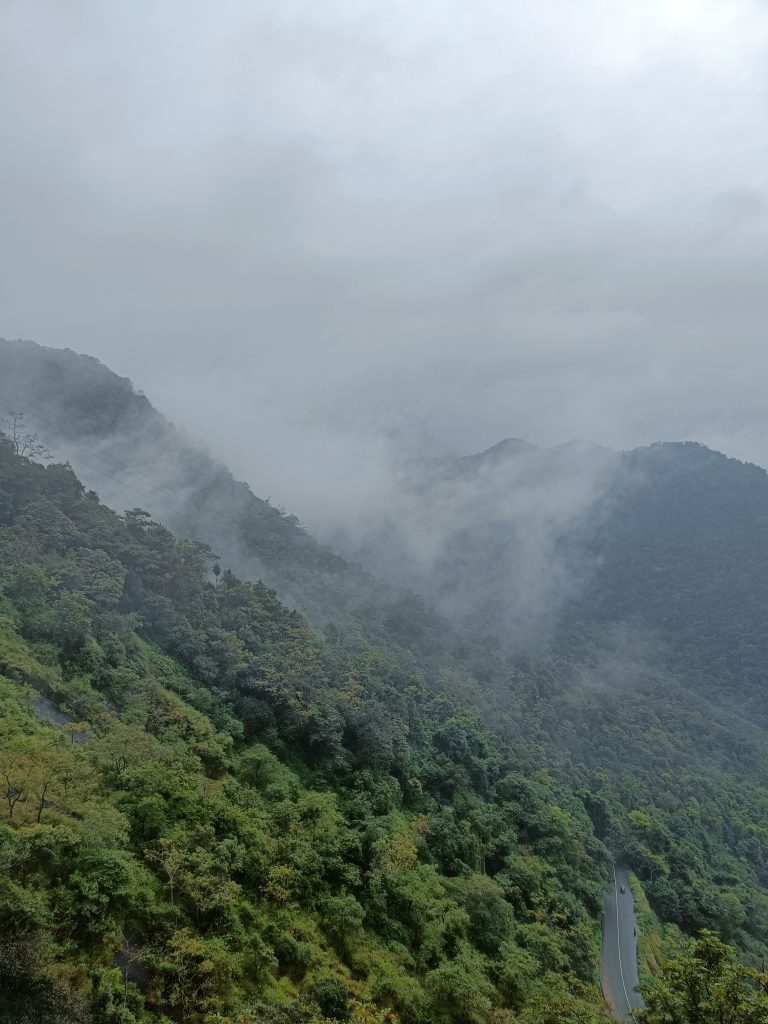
<point x="705" y="984"/>
<point x="25" y="445"/>
<point x="332" y="998"/>
<point x="16" y="765"/>
<point x="171" y="860"/>
<point x="199" y="972"/>
<point x="460" y="989"/>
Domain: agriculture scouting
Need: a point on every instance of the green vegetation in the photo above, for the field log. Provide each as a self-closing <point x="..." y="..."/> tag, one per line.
<point x="656" y="941"/>
<point x="681" y="539"/>
<point x="675" y="787"/>
<point x="704" y="984"/>
<point x="454" y="773"/>
<point x="650" y="933"/>
<point x="245" y="822"/>
<point x="680" y="792"/>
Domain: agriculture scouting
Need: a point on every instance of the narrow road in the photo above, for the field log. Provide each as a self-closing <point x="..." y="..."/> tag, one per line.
<point x="618" y="956"/>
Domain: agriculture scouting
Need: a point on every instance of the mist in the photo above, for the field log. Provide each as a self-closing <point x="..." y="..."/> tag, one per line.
<point x="329" y="240"/>
<point x="487" y="538"/>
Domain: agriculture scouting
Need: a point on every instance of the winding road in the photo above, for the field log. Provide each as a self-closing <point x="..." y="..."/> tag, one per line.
<point x="618" y="956"/>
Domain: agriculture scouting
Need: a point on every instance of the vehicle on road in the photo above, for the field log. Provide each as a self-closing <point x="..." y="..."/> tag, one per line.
<point x="623" y="888"/>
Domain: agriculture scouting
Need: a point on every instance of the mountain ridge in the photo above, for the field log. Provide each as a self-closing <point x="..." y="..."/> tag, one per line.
<point x="117" y="430"/>
<point x="528" y="544"/>
<point x="599" y="703"/>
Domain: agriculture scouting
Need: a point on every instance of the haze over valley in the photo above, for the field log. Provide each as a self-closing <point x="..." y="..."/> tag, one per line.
<point x="383" y="513"/>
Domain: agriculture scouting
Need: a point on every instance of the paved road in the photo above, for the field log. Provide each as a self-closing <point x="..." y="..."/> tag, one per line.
<point x="618" y="957"/>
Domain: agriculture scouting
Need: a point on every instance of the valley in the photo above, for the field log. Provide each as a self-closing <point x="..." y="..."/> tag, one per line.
<point x="388" y="713"/>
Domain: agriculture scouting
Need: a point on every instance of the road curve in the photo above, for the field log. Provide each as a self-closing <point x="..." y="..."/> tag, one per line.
<point x="618" y="956"/>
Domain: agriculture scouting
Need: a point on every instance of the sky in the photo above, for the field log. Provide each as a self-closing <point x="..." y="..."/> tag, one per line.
<point x="314" y="233"/>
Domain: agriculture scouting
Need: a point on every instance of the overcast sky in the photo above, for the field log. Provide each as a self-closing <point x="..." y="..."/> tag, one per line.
<point x="303" y="225"/>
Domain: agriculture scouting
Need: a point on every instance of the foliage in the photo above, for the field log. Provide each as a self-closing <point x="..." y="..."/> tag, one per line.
<point x="706" y="983"/>
<point x="209" y="812"/>
<point x="612" y="737"/>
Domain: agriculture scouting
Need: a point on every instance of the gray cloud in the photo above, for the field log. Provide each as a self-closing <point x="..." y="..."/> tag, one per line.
<point x="319" y="233"/>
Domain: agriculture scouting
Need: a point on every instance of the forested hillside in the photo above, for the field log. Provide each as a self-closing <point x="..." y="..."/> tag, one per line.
<point x="543" y="547"/>
<point x="534" y="547"/>
<point x="401" y="708"/>
<point x="126" y="450"/>
<point x="242" y="819"/>
<point x="680" y="541"/>
<point x="383" y="587"/>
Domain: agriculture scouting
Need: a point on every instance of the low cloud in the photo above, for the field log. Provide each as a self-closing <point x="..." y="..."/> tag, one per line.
<point x="319" y="236"/>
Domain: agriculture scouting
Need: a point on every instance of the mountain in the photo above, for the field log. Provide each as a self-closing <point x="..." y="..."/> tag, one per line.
<point x="547" y="547"/>
<point x="210" y="814"/>
<point x="126" y="450"/>
<point x="482" y="537"/>
<point x="680" y="545"/>
<point x="534" y="546"/>
<point x="509" y="556"/>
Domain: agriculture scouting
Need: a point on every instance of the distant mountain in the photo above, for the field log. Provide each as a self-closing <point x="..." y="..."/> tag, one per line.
<point x="541" y="548"/>
<point x="482" y="536"/>
<point x="561" y="547"/>
<point x="567" y="595"/>
<point x="679" y="542"/>
<point x="122" y="447"/>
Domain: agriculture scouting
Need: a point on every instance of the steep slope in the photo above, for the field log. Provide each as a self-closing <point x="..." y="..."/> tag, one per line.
<point x="126" y="450"/>
<point x="670" y="782"/>
<point x="481" y="537"/>
<point x="681" y="544"/>
<point x="569" y="546"/>
<point x="252" y="823"/>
